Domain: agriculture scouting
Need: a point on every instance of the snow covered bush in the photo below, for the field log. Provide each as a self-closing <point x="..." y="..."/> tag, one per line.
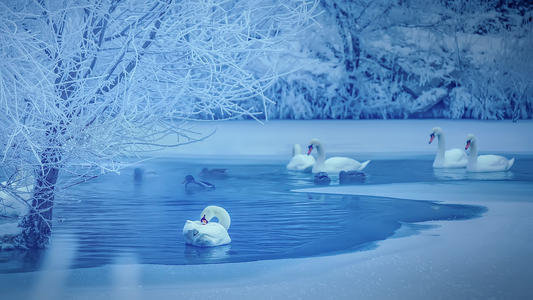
<point x="86" y="84"/>
<point x="410" y="59"/>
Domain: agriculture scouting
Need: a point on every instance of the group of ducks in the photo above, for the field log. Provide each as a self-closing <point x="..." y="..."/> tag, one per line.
<point x="207" y="233"/>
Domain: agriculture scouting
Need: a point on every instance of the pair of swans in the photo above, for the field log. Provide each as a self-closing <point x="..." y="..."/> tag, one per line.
<point x="457" y="158"/>
<point x="207" y="233"/>
<point x="302" y="162"/>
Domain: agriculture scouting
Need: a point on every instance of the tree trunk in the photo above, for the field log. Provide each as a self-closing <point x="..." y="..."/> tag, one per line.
<point x="37" y="224"/>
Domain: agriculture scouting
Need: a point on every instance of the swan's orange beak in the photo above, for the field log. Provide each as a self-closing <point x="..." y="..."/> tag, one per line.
<point x="431" y="137"/>
<point x="310" y="148"/>
<point x="467" y="145"/>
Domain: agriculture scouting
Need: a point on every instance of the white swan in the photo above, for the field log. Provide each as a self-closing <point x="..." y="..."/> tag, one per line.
<point x="333" y="164"/>
<point x="204" y="233"/>
<point x="485" y="163"/>
<point x="299" y="161"/>
<point x="453" y="158"/>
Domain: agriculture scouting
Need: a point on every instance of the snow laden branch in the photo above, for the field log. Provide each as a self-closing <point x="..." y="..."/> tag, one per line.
<point x="411" y="59"/>
<point x="86" y="85"/>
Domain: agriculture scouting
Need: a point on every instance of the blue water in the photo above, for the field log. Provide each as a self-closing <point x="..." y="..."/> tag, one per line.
<point x="114" y="215"/>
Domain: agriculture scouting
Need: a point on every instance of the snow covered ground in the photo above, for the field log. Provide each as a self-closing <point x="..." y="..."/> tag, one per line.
<point x="486" y="257"/>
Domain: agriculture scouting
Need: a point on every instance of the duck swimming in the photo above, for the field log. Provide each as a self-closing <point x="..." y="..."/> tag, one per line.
<point x="322" y="178"/>
<point x="213" y="173"/>
<point x="207" y="233"/>
<point x="347" y="177"/>
<point x="192" y="185"/>
<point x="138" y="174"/>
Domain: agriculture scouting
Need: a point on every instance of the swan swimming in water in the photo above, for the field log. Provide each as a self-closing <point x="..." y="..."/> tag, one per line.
<point x="207" y="233"/>
<point x="299" y="161"/>
<point x="333" y="164"/>
<point x="453" y="158"/>
<point x="485" y="163"/>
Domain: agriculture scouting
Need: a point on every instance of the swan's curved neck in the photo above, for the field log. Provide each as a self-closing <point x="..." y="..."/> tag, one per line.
<point x="441" y="142"/>
<point x="321" y="153"/>
<point x="218" y="212"/>
<point x="472" y="158"/>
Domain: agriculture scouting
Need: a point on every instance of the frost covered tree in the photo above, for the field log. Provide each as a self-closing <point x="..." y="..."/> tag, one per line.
<point x="411" y="59"/>
<point x="86" y="84"/>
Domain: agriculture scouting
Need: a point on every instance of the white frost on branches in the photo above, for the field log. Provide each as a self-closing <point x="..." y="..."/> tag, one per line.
<point x="84" y="85"/>
<point x="411" y="59"/>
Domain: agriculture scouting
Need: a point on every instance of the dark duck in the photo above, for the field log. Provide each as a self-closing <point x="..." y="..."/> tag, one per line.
<point x="213" y="173"/>
<point x="192" y="185"/>
<point x="322" y="178"/>
<point x="348" y="177"/>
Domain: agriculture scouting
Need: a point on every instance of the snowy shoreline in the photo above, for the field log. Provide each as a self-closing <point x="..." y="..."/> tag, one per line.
<point x="363" y="137"/>
<point x="485" y="257"/>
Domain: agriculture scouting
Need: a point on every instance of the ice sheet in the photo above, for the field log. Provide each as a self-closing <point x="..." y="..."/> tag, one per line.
<point x="487" y="257"/>
<point x="457" y="192"/>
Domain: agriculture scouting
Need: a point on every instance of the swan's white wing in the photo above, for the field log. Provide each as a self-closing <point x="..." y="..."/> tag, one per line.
<point x="454" y="155"/>
<point x="209" y="235"/>
<point x="492" y="161"/>
<point x="301" y="162"/>
<point x="337" y="164"/>
<point x="453" y="158"/>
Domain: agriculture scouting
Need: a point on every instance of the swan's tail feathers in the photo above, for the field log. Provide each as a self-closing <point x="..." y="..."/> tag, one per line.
<point x="363" y="165"/>
<point x="510" y="163"/>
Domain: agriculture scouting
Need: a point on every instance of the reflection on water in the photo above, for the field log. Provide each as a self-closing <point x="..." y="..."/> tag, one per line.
<point x="140" y="214"/>
<point x="195" y="255"/>
<point x="125" y="277"/>
<point x="462" y="174"/>
<point x="58" y="258"/>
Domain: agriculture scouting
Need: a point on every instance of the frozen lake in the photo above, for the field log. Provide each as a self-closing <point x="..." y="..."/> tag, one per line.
<point x="114" y="216"/>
